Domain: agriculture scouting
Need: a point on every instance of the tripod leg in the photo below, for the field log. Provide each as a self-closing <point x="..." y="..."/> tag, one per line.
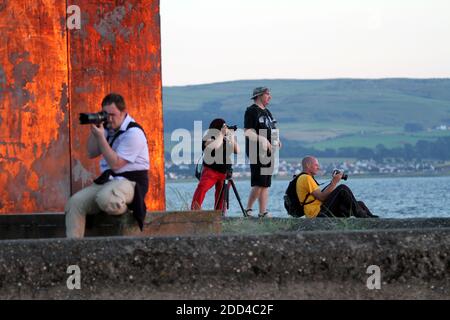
<point x="238" y="198"/>
<point x="225" y="203"/>
<point x="221" y="193"/>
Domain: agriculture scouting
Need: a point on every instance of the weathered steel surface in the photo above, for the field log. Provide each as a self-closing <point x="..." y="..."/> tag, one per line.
<point x="34" y="126"/>
<point x="118" y="49"/>
<point x="49" y="74"/>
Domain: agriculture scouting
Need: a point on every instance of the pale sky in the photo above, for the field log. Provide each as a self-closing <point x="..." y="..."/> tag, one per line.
<point x="206" y="41"/>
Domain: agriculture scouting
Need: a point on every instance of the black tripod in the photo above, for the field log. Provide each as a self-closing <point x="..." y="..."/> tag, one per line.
<point x="226" y="194"/>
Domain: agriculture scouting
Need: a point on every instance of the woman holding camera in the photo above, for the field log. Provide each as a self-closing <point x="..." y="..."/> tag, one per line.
<point x="218" y="144"/>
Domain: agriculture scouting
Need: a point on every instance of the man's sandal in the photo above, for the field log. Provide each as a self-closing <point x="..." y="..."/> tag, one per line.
<point x="247" y="213"/>
<point x="264" y="214"/>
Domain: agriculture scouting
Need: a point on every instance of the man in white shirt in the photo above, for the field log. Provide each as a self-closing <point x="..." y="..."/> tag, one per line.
<point x="124" y="166"/>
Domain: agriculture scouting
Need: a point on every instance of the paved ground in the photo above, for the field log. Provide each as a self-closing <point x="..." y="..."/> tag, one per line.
<point x="414" y="264"/>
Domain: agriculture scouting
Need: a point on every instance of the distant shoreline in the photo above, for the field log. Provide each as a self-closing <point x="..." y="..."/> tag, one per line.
<point x="362" y="176"/>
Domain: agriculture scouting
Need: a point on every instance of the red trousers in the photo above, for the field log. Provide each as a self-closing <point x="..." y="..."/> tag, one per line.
<point x="208" y="179"/>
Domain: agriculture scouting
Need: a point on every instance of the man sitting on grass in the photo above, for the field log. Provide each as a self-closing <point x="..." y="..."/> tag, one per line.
<point x="333" y="201"/>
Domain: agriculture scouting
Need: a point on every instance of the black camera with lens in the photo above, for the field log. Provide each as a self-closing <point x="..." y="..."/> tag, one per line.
<point x="344" y="176"/>
<point x="232" y="127"/>
<point x="94" y="118"/>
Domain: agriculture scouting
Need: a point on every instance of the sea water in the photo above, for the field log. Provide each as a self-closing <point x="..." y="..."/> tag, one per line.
<point x="397" y="197"/>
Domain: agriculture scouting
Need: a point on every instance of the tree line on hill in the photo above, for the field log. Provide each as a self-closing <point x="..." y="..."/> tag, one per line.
<point x="423" y="149"/>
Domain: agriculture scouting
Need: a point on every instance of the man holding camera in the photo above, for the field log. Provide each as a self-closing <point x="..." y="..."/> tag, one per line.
<point x="333" y="201"/>
<point x="124" y="166"/>
<point x="261" y="137"/>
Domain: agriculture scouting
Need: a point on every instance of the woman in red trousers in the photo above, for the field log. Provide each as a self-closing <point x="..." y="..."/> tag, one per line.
<point x="218" y="145"/>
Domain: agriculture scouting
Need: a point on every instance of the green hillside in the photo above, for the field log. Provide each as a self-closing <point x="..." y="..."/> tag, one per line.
<point x="324" y="113"/>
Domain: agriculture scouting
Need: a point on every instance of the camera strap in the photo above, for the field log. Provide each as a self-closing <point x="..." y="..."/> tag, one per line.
<point x="118" y="133"/>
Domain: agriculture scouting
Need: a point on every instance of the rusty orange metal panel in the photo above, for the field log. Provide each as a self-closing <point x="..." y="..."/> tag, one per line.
<point x="34" y="125"/>
<point x="117" y="50"/>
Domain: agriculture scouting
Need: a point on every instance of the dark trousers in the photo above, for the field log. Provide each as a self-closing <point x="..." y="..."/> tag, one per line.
<point x="342" y="203"/>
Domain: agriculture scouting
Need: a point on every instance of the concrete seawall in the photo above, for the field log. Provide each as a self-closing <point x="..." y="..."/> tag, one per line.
<point x="182" y="223"/>
<point x="288" y="265"/>
<point x="52" y="225"/>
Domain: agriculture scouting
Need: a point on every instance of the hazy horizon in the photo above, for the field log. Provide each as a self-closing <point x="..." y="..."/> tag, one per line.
<point x="311" y="79"/>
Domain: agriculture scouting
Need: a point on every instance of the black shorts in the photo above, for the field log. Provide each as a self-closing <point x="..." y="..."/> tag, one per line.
<point x="258" y="179"/>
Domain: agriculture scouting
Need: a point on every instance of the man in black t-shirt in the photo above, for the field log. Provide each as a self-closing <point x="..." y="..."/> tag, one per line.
<point x="261" y="137"/>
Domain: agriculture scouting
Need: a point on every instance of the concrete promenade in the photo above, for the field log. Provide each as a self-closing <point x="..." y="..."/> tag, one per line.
<point x="277" y="259"/>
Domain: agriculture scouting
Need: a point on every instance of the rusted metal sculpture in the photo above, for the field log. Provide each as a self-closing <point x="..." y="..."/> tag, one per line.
<point x="49" y="73"/>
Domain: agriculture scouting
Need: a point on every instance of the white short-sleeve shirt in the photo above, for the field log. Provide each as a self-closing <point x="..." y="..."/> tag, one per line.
<point x="131" y="146"/>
